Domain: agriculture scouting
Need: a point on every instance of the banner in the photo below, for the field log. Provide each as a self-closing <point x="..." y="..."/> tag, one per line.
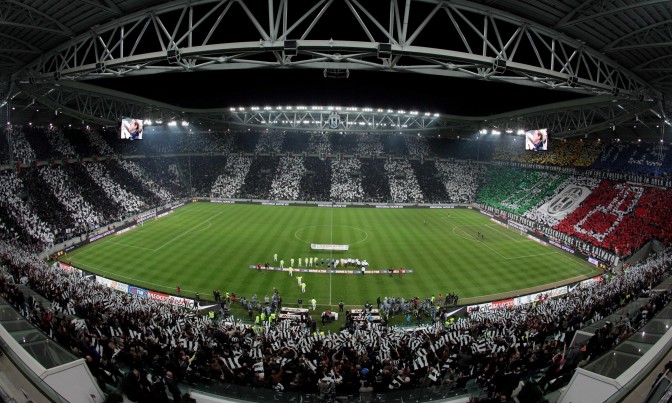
<point x="141" y="292"/>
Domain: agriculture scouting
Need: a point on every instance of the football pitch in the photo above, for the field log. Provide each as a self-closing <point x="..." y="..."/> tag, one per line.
<point x="208" y="246"/>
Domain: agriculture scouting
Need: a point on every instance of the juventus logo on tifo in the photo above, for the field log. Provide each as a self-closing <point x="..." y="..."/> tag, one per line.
<point x="334" y="120"/>
<point x="566" y="201"/>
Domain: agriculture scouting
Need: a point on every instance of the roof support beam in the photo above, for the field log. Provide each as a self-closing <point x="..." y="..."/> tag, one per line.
<point x="618" y="10"/>
<point x="33" y="10"/>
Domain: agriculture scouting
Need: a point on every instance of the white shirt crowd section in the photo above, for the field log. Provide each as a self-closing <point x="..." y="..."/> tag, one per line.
<point x="369" y="144"/>
<point x="417" y="146"/>
<point x="58" y="142"/>
<point x="83" y="214"/>
<point x="21" y="147"/>
<point x="229" y="183"/>
<point x="319" y="143"/>
<point x="15" y="207"/>
<point x="549" y="220"/>
<point x="461" y="180"/>
<point x="287" y="182"/>
<point x="174" y="173"/>
<point x="404" y="187"/>
<point x="98" y="143"/>
<point x="202" y="142"/>
<point x="270" y="142"/>
<point x="344" y="185"/>
<point x="129" y="202"/>
<point x="137" y="172"/>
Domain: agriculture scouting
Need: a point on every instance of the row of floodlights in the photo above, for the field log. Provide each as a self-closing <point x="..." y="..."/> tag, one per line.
<point x="332" y="108"/>
<point x="519" y="132"/>
<point x="305" y="122"/>
<point x="149" y="122"/>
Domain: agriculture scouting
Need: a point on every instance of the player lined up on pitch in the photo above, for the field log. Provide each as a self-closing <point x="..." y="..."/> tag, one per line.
<point x="329" y="263"/>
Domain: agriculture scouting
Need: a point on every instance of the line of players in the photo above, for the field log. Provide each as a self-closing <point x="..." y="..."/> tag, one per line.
<point x="329" y="262"/>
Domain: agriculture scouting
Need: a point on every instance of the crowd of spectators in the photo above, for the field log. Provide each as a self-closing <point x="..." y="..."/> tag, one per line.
<point x="621" y="217"/>
<point x="287" y="180"/>
<point x="576" y="188"/>
<point x="460" y="180"/>
<point x="404" y="187"/>
<point x="319" y="143"/>
<point x="374" y="180"/>
<point x="257" y="184"/>
<point x="417" y="146"/>
<point x="124" y="198"/>
<point x="346" y="180"/>
<point x="270" y="143"/>
<point x="99" y="144"/>
<point x="60" y="144"/>
<point x="83" y="214"/>
<point x="41" y="201"/>
<point x="165" y="172"/>
<point x="231" y="181"/>
<point x="492" y="348"/>
<point x="343" y="143"/>
<point x="574" y="153"/>
<point x="316" y="183"/>
<point x="21" y="148"/>
<point x="202" y="172"/>
<point x="138" y="174"/>
<point x="517" y="190"/>
<point x="20" y="212"/>
<point x="429" y="181"/>
<point x="648" y="159"/>
<point x="520" y="185"/>
<point x="369" y="145"/>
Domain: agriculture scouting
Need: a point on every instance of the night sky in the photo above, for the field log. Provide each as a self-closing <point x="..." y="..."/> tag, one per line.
<point x="294" y="87"/>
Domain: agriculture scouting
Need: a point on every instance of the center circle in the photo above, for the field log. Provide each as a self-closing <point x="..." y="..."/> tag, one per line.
<point x="298" y="234"/>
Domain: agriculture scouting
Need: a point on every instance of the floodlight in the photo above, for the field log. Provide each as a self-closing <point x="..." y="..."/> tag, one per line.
<point x="173" y="56"/>
<point x="336" y="73"/>
<point x="384" y="50"/>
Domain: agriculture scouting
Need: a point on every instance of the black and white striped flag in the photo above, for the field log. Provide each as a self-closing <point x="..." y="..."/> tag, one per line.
<point x="420" y="362"/>
<point x="434" y="374"/>
<point x="232" y="363"/>
<point x="312" y="365"/>
<point x="256" y="353"/>
<point x="396" y="383"/>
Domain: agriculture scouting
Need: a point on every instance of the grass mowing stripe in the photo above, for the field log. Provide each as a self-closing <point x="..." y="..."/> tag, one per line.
<point x="211" y="246"/>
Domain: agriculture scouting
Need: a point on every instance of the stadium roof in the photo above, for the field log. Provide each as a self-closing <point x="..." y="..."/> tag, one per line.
<point x="609" y="62"/>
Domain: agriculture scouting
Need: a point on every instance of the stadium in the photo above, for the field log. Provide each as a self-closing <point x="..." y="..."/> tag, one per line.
<point x="233" y="200"/>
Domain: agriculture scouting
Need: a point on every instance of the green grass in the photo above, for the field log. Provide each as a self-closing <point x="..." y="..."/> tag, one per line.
<point x="207" y="246"/>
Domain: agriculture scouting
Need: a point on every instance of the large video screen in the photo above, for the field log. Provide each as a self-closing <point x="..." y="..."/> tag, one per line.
<point x="536" y="140"/>
<point x="131" y="129"/>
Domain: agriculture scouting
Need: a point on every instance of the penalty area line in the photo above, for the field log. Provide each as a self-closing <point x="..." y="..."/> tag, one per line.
<point x="188" y="231"/>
